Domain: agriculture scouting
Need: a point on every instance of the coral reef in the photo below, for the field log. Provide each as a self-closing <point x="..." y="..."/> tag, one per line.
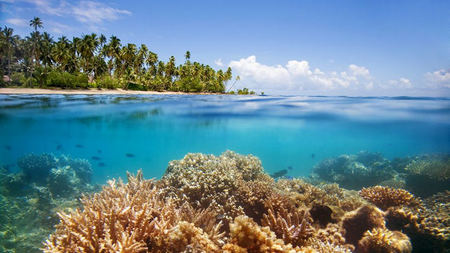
<point x="430" y="170"/>
<point x="369" y="169"/>
<point x="385" y="197"/>
<point x="31" y="198"/>
<point x="232" y="184"/>
<point x="428" y="227"/>
<point x="384" y="240"/>
<point x="357" y="222"/>
<point x="355" y="171"/>
<point x="131" y="217"/>
<point x="293" y="227"/>
<point x="226" y="203"/>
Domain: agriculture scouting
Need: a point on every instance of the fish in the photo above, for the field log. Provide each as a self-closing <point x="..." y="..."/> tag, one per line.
<point x="129" y="155"/>
<point x="290" y="168"/>
<point x="101" y="164"/>
<point x="279" y="173"/>
<point x="7" y="147"/>
<point x="96" y="158"/>
<point x="59" y="147"/>
<point x="99" y="151"/>
<point x="79" y="146"/>
<point x="313" y="155"/>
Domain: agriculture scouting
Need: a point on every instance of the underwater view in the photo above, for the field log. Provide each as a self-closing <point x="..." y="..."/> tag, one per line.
<point x="224" y="173"/>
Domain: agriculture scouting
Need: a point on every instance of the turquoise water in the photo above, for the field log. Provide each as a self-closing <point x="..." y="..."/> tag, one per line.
<point x="118" y="133"/>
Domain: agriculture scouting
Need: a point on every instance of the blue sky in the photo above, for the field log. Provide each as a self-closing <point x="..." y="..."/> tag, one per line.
<point x="303" y="47"/>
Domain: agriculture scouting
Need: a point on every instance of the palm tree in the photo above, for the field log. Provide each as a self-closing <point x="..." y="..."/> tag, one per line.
<point x="46" y="46"/>
<point x="8" y="41"/>
<point x="112" y="51"/>
<point x="36" y="23"/>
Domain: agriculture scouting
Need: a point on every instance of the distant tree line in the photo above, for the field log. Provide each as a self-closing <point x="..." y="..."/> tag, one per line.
<point x="95" y="61"/>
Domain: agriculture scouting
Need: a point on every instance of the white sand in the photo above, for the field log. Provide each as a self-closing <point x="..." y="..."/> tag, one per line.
<point x="85" y="92"/>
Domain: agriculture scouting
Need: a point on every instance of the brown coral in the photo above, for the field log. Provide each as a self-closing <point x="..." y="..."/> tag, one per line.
<point x="385" y="197"/>
<point x="357" y="222"/>
<point x="384" y="241"/>
<point x="130" y="218"/>
<point x="293" y="227"/>
<point x="231" y="184"/>
<point x="247" y="236"/>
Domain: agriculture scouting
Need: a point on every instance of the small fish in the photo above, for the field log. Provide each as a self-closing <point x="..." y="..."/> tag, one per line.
<point x="7" y="147"/>
<point x="279" y="173"/>
<point x="99" y="151"/>
<point x="290" y="168"/>
<point x="95" y="158"/>
<point x="79" y="146"/>
<point x="59" y="147"/>
<point x="313" y="155"/>
<point x="129" y="155"/>
<point x="101" y="164"/>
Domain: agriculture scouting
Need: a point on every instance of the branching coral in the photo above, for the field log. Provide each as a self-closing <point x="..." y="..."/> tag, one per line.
<point x="384" y="240"/>
<point x="385" y="197"/>
<point x="129" y="217"/>
<point x="231" y="184"/>
<point x="293" y="227"/>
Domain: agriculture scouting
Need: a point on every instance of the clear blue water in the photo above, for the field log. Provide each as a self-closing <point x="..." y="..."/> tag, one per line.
<point x="119" y="133"/>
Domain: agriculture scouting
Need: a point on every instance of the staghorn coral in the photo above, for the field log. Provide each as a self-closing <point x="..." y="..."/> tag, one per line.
<point x="293" y="227"/>
<point x="130" y="217"/>
<point x="231" y="184"/>
<point x="385" y="197"/>
<point x="384" y="241"/>
<point x="357" y="222"/>
<point x="247" y="236"/>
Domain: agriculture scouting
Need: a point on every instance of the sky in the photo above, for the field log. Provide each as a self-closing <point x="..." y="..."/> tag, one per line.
<point x="310" y="47"/>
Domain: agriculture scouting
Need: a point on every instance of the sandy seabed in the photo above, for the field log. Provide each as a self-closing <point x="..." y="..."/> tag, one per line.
<point x="87" y="92"/>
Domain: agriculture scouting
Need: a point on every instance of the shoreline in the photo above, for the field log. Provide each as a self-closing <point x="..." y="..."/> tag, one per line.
<point x="38" y="91"/>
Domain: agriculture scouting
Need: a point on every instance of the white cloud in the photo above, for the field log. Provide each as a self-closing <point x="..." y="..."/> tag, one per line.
<point x="219" y="62"/>
<point x="248" y="68"/>
<point x="298" y="75"/>
<point x="359" y="71"/>
<point x="17" y="22"/>
<point x="439" y="78"/>
<point x="90" y="12"/>
<point x="95" y="12"/>
<point x="402" y="83"/>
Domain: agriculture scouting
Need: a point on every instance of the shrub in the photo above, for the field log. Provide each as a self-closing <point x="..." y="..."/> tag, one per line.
<point x="107" y="82"/>
<point x="67" y="80"/>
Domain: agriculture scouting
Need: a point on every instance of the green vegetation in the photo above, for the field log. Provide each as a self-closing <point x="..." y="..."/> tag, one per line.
<point x="93" y="61"/>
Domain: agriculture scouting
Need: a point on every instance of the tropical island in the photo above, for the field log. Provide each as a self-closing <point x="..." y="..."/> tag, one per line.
<point x="92" y="63"/>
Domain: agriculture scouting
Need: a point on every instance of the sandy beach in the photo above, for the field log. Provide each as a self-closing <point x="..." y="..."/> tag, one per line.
<point x="90" y="92"/>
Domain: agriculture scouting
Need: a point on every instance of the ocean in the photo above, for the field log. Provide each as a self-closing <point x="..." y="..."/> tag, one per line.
<point x="118" y="133"/>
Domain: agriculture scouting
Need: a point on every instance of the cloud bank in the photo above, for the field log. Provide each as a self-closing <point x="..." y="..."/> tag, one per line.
<point x="298" y="75"/>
